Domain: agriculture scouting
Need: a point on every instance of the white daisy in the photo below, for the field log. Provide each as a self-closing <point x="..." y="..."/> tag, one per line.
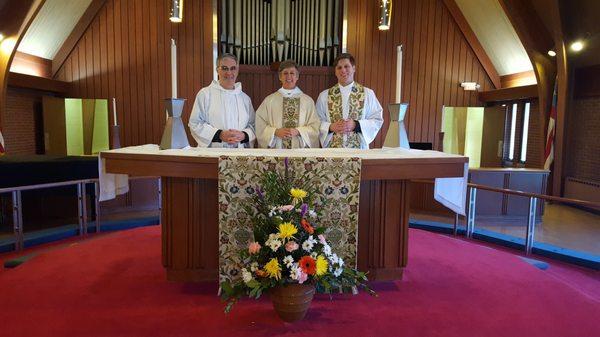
<point x="307" y="245"/>
<point x="327" y="250"/>
<point x="246" y="275"/>
<point x="288" y="261"/>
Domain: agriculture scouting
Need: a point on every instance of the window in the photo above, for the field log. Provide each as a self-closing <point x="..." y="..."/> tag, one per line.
<point x="525" y="132"/>
<point x="513" y="131"/>
<point x="516" y="133"/>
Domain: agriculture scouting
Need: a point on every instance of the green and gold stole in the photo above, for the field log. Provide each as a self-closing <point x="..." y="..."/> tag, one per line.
<point x="291" y="114"/>
<point x="356" y="103"/>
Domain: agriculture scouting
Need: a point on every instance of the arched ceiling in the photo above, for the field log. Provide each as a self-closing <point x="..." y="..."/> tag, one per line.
<point x="52" y="26"/>
<point x="496" y="34"/>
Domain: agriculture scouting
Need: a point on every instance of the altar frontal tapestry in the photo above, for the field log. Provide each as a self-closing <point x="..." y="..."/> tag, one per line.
<point x="337" y="180"/>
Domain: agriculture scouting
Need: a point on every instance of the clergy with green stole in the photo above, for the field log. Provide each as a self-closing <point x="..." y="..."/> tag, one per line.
<point x="287" y="118"/>
<point x="350" y="113"/>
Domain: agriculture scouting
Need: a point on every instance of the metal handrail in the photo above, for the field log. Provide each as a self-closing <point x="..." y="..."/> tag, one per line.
<point x="531" y="218"/>
<point x="585" y="203"/>
<point x="81" y="204"/>
<point x="47" y="185"/>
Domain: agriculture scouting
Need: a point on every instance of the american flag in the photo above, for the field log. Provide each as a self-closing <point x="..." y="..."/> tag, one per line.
<point x="549" y="150"/>
<point x="1" y="144"/>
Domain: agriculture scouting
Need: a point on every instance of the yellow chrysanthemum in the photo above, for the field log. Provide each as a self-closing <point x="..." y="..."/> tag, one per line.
<point x="298" y="193"/>
<point x="273" y="269"/>
<point x="287" y="230"/>
<point x="321" y="265"/>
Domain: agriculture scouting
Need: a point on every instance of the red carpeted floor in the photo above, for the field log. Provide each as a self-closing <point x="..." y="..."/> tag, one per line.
<point x="115" y="286"/>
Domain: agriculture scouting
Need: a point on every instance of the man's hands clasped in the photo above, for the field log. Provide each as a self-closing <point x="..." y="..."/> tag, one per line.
<point x="343" y="126"/>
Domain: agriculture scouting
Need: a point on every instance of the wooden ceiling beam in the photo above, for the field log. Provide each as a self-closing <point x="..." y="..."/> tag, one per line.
<point x="17" y="80"/>
<point x="473" y="41"/>
<point x="509" y="94"/>
<point x="537" y="40"/>
<point x="80" y="28"/>
<point x="15" y="18"/>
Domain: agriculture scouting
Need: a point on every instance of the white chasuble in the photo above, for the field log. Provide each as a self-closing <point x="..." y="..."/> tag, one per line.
<point x="352" y="101"/>
<point x="287" y="109"/>
<point x="217" y="108"/>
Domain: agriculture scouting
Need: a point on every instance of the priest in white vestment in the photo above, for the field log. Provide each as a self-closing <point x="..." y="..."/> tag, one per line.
<point x="222" y="115"/>
<point x="287" y="118"/>
<point x="350" y="113"/>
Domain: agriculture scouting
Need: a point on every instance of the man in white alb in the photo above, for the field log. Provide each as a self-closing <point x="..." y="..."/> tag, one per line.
<point x="350" y="113"/>
<point x="287" y="119"/>
<point x="222" y="115"/>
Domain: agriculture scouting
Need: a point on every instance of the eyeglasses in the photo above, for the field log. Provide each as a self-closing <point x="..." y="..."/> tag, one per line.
<point x="226" y="68"/>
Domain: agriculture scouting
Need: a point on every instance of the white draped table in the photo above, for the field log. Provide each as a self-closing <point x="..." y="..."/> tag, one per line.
<point x="190" y="201"/>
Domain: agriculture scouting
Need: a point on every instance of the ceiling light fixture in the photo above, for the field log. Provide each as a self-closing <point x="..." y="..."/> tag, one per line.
<point x="176" y="11"/>
<point x="1" y="37"/>
<point x="577" y="46"/>
<point x="7" y="45"/>
<point x="386" y="14"/>
<point x="551" y="53"/>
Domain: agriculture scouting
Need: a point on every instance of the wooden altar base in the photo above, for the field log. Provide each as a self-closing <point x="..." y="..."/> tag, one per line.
<point x="190" y="229"/>
<point x="190" y="210"/>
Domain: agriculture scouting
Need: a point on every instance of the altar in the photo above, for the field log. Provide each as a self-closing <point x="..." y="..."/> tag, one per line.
<point x="190" y="208"/>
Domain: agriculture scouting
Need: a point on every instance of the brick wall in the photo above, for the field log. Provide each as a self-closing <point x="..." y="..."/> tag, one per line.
<point x="583" y="152"/>
<point x="535" y="140"/>
<point x="21" y="119"/>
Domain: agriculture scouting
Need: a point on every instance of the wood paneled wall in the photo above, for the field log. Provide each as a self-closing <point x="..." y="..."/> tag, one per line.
<point x="125" y="53"/>
<point x="260" y="81"/>
<point x="436" y="59"/>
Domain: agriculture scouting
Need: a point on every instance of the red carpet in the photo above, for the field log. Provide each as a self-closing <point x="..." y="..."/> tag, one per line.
<point x="115" y="286"/>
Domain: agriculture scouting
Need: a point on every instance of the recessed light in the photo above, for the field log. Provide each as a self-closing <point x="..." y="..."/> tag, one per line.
<point x="551" y="53"/>
<point x="577" y="46"/>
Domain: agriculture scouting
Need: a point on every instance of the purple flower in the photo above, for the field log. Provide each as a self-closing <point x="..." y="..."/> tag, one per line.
<point x="303" y="210"/>
<point x="259" y="192"/>
<point x="286" y="162"/>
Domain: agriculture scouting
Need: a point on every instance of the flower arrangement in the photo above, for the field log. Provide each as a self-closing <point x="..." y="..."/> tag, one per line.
<point x="288" y="246"/>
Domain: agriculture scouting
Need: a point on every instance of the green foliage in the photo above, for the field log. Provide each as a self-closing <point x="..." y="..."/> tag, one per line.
<point x="271" y="206"/>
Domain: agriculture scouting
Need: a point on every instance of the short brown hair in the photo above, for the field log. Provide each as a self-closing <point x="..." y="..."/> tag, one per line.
<point x="288" y="64"/>
<point x="225" y="56"/>
<point x="346" y="56"/>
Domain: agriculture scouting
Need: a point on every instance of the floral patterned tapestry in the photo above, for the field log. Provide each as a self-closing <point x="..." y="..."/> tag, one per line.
<point x="336" y="179"/>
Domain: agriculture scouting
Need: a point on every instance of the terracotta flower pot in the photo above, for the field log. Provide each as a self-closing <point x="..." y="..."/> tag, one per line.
<point x="291" y="302"/>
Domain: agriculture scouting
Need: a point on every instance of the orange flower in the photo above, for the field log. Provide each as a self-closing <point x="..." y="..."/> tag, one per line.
<point x="307" y="227"/>
<point x="261" y="273"/>
<point x="308" y="265"/>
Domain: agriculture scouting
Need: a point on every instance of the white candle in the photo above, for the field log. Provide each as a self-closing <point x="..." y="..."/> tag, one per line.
<point x="399" y="75"/>
<point x="173" y="69"/>
<point x="115" y="111"/>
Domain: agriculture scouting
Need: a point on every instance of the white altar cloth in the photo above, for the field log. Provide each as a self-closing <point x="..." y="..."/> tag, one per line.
<point x="451" y="192"/>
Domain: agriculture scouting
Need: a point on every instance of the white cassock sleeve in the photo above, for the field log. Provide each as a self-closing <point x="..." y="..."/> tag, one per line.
<point x="200" y="129"/>
<point x="265" y="131"/>
<point x="309" y="131"/>
<point x="321" y="106"/>
<point x="373" y="117"/>
<point x="249" y="128"/>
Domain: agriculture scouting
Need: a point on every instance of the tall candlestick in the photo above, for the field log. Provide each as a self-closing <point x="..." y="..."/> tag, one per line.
<point x="173" y="69"/>
<point x="115" y="111"/>
<point x="399" y="74"/>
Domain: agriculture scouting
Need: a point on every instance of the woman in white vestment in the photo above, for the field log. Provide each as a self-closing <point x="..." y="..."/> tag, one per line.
<point x="287" y="118"/>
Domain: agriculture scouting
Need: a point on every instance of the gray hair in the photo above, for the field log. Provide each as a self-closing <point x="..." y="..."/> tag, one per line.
<point x="227" y="55"/>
